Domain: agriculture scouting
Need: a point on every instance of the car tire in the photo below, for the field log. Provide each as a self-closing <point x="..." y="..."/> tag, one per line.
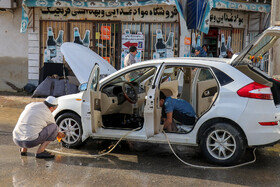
<point x="222" y="144"/>
<point x="71" y="125"/>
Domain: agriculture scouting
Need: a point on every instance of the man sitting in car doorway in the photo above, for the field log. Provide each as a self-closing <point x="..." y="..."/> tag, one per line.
<point x="177" y="109"/>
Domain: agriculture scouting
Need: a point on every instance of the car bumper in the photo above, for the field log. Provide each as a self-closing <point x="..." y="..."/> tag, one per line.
<point x="260" y="111"/>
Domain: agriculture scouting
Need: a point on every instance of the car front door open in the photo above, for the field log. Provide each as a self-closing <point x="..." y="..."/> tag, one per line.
<point x="91" y="105"/>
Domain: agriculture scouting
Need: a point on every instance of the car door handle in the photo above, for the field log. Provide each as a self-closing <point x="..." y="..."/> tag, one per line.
<point x="206" y="93"/>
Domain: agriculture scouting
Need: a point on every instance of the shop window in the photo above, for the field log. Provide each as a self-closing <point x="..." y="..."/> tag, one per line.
<point x="211" y="41"/>
<point x="155" y="40"/>
<point x="161" y="40"/>
<point x="232" y="38"/>
<point x="106" y="41"/>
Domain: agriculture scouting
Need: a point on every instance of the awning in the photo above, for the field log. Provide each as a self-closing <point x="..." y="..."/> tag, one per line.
<point x="197" y="12"/>
<point x="85" y="4"/>
<point x="193" y="12"/>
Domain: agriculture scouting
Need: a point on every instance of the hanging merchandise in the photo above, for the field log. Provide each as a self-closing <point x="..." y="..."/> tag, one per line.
<point x="198" y="41"/>
<point x="169" y="45"/>
<point x="193" y="43"/>
<point x="77" y="37"/>
<point x="223" y="49"/>
<point x="160" y="47"/>
<point x="197" y="12"/>
<point x="86" y="40"/>
<point x="229" y="42"/>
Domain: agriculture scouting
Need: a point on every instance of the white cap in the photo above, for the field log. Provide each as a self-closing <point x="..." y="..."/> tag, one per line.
<point x="230" y="49"/>
<point x="52" y="100"/>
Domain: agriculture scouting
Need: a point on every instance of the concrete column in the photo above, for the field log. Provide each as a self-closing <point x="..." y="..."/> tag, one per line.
<point x="275" y="52"/>
<point x="33" y="51"/>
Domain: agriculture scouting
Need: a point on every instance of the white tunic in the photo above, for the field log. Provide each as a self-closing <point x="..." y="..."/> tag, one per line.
<point x="129" y="60"/>
<point x="32" y="120"/>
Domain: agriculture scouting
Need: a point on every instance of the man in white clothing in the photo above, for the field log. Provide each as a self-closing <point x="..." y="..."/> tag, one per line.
<point x="129" y="59"/>
<point x="36" y="126"/>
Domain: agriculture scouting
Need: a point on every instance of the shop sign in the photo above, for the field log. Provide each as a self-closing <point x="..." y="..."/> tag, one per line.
<point x="187" y="41"/>
<point x="229" y="4"/>
<point x="151" y="13"/>
<point x="136" y="40"/>
<point x="227" y="19"/>
<point x="105" y="32"/>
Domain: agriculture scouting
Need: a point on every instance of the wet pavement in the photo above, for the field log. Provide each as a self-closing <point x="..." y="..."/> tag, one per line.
<point x="139" y="165"/>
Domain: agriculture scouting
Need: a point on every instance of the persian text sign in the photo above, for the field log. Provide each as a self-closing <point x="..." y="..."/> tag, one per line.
<point x="227" y="19"/>
<point x="151" y="13"/>
<point x="136" y="40"/>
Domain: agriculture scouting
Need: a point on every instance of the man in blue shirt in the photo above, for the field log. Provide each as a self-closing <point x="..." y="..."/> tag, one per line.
<point x="178" y="109"/>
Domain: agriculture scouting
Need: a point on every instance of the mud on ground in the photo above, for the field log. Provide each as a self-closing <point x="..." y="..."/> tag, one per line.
<point x="11" y="106"/>
<point x="16" y="100"/>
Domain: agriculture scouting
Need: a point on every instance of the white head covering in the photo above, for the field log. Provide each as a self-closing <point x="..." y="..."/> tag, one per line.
<point x="230" y="49"/>
<point x="52" y="100"/>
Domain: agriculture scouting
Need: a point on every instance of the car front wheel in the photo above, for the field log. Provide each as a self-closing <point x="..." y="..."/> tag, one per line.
<point x="71" y="125"/>
<point x="222" y="144"/>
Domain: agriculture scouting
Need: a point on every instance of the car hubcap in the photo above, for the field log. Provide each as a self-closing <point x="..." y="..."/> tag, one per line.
<point x="71" y="129"/>
<point x="221" y="144"/>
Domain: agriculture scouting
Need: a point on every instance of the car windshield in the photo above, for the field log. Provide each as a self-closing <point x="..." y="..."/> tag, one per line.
<point x="135" y="75"/>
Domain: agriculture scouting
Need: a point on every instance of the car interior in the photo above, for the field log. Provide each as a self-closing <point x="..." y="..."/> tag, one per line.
<point x="123" y="99"/>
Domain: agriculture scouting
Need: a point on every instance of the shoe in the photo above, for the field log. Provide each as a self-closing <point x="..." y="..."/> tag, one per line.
<point x="44" y="154"/>
<point x="22" y="153"/>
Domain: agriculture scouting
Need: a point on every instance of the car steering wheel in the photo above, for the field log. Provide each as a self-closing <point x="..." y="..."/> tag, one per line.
<point x="129" y="92"/>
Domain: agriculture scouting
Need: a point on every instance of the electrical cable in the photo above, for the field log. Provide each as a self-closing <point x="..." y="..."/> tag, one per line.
<point x="94" y="156"/>
<point x="171" y="148"/>
<point x="209" y="167"/>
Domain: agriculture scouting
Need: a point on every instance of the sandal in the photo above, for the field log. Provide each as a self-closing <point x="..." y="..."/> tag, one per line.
<point x="44" y="154"/>
<point x="22" y="153"/>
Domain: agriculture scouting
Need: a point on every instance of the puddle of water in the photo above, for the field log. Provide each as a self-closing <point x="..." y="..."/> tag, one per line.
<point x="58" y="146"/>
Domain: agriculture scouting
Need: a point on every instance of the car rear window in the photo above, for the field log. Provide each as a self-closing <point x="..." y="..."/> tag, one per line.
<point x="223" y="78"/>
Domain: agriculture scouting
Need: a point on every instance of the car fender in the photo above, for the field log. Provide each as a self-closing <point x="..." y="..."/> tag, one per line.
<point x="68" y="103"/>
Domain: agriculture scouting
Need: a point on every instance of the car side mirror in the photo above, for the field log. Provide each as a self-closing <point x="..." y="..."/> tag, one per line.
<point x="83" y="86"/>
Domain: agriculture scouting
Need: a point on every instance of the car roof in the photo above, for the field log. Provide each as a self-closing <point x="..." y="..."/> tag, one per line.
<point x="201" y="61"/>
<point x="189" y="60"/>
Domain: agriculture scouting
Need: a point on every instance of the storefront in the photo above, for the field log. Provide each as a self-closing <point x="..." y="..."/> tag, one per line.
<point x="229" y="24"/>
<point x="226" y="29"/>
<point x="153" y="28"/>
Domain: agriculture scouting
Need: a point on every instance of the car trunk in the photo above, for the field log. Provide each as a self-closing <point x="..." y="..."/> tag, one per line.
<point x="253" y="53"/>
<point x="262" y="78"/>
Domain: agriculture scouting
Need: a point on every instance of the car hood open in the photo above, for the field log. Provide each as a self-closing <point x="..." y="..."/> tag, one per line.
<point x="258" y="46"/>
<point x="82" y="59"/>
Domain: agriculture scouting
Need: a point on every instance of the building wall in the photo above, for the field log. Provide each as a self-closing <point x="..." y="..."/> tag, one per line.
<point x="13" y="50"/>
<point x="34" y="32"/>
<point x="34" y="50"/>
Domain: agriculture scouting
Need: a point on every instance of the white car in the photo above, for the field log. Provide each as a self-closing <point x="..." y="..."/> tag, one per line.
<point x="237" y="106"/>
